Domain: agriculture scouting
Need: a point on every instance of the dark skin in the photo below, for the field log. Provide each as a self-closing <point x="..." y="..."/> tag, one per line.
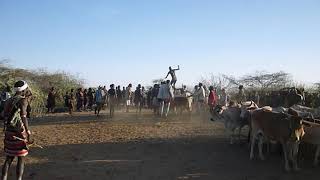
<point x="173" y="75"/>
<point x="139" y="105"/>
<point x="52" y="91"/>
<point x="21" y="160"/>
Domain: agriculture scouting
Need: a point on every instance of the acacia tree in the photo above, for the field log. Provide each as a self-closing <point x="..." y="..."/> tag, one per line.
<point x="258" y="80"/>
<point x="266" y="80"/>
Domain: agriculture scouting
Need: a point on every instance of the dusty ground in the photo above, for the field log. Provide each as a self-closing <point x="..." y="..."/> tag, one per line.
<point x="85" y="147"/>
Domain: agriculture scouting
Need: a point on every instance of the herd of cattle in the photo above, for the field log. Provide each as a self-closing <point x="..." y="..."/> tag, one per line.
<point x="279" y="117"/>
<point x="287" y="126"/>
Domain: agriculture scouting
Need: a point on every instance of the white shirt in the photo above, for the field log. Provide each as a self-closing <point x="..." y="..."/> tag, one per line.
<point x="201" y="94"/>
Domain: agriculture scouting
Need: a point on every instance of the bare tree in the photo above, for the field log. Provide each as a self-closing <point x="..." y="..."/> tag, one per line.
<point x="220" y="81"/>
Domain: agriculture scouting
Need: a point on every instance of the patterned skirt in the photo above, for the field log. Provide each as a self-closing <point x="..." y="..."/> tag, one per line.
<point x="14" y="146"/>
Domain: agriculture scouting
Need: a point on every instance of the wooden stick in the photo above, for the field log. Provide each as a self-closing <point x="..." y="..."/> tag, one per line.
<point x="30" y="145"/>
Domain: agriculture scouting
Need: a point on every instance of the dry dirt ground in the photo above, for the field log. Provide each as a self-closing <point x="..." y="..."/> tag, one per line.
<point x="127" y="147"/>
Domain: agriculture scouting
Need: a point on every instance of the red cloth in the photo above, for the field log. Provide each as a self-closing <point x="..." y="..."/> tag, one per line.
<point x="13" y="146"/>
<point x="212" y="101"/>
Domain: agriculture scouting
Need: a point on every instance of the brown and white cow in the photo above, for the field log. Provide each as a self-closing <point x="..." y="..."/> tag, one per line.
<point x="312" y="132"/>
<point x="280" y="127"/>
<point x="182" y="102"/>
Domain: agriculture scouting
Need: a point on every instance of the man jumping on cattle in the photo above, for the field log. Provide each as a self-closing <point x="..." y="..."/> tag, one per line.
<point x="172" y="72"/>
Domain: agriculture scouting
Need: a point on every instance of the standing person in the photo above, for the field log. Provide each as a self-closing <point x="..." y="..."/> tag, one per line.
<point x="5" y="95"/>
<point x="29" y="98"/>
<point x="112" y="99"/>
<point x="195" y="98"/>
<point x="149" y="99"/>
<point x="207" y="92"/>
<point x="241" y="96"/>
<point x="224" y="98"/>
<point x="128" y="97"/>
<point x="144" y="97"/>
<point x="124" y="96"/>
<point x="119" y="96"/>
<point x="85" y="99"/>
<point x="165" y="95"/>
<point x="80" y="99"/>
<point x="16" y="126"/>
<point x="154" y="97"/>
<point x="212" y="99"/>
<point x="71" y="101"/>
<point x="138" y="99"/>
<point x="105" y="96"/>
<point x="201" y="95"/>
<point x="172" y="73"/>
<point x="99" y="101"/>
<point x="66" y="99"/>
<point x="51" y="101"/>
<point x="160" y="98"/>
<point x="90" y="98"/>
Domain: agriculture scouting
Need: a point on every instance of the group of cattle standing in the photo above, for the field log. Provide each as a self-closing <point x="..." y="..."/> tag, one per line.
<point x="267" y="125"/>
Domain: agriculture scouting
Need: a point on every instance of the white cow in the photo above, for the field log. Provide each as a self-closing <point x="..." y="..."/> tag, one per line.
<point x="234" y="117"/>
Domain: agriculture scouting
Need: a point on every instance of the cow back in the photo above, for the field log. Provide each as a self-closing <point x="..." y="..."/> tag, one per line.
<point x="274" y="125"/>
<point x="312" y="135"/>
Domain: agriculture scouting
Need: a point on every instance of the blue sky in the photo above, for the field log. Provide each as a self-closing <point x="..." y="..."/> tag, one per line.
<point x="124" y="41"/>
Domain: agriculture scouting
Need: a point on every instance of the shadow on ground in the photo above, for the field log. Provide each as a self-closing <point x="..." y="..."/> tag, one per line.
<point x="89" y="117"/>
<point x="198" y="158"/>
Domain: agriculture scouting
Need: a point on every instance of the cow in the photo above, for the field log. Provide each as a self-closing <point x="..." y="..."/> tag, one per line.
<point x="312" y="133"/>
<point x="280" y="127"/>
<point x="306" y="112"/>
<point x="181" y="102"/>
<point x="312" y="136"/>
<point x="292" y="96"/>
<point x="234" y="117"/>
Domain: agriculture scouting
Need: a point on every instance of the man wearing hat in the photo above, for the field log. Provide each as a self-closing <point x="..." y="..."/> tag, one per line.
<point x="17" y="132"/>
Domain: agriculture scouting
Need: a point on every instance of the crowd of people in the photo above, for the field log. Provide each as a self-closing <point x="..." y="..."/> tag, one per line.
<point x="159" y="98"/>
<point x="15" y="108"/>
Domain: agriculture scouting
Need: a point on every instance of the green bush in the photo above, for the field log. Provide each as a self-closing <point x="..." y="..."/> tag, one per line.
<point x="40" y="82"/>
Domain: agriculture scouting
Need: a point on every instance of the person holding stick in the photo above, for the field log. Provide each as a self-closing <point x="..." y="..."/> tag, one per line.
<point x="16" y="128"/>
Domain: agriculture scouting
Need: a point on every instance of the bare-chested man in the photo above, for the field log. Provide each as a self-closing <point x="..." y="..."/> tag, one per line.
<point x="172" y="72"/>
